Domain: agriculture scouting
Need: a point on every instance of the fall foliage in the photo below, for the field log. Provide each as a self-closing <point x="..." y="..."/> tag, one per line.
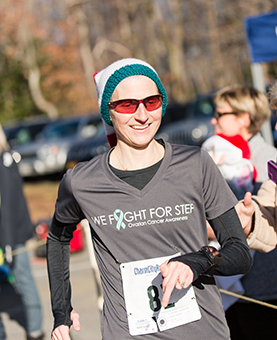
<point x="50" y="49"/>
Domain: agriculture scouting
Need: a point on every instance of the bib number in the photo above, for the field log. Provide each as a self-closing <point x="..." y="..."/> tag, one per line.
<point x="154" y="301"/>
<point x="142" y="287"/>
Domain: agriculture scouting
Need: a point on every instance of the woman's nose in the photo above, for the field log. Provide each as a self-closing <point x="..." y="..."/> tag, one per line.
<point x="141" y="113"/>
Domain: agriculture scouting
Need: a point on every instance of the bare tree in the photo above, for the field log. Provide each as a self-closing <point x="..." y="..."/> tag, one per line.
<point x="85" y="49"/>
<point x="196" y="45"/>
<point x="26" y="42"/>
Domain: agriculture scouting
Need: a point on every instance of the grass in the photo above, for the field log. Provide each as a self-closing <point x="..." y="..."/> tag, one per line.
<point x="41" y="198"/>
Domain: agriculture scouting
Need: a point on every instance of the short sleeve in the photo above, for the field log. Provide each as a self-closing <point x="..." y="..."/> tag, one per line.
<point x="218" y="197"/>
<point x="67" y="209"/>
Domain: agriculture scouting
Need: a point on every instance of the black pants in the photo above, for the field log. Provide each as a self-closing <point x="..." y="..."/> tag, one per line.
<point x="250" y="321"/>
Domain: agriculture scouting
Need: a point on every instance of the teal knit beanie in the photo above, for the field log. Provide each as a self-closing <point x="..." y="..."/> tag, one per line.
<point x="107" y="80"/>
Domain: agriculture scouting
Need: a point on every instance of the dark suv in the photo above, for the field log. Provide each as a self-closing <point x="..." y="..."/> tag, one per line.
<point x="24" y="131"/>
<point x="188" y="123"/>
<point x="48" y="153"/>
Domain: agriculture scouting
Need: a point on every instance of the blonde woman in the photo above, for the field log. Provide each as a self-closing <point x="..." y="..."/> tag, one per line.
<point x="258" y="216"/>
<point x="244" y="109"/>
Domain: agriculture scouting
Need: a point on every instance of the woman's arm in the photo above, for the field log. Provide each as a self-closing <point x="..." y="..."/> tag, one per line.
<point x="67" y="215"/>
<point x="58" y="252"/>
<point x="235" y="257"/>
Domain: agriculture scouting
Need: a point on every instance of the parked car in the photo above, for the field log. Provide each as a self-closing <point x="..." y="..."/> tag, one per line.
<point x="87" y="149"/>
<point x="48" y="153"/>
<point x="188" y="123"/>
<point x="24" y="131"/>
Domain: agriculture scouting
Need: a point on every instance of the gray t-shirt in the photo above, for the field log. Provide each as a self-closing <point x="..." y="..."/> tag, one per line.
<point x="167" y="216"/>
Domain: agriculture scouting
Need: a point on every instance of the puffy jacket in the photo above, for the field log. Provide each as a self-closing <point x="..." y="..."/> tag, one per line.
<point x="264" y="235"/>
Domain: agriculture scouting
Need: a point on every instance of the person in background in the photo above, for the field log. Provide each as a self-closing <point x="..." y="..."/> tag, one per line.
<point x="232" y="154"/>
<point x="147" y="202"/>
<point x="245" y="109"/>
<point x="258" y="216"/>
<point x="15" y="229"/>
<point x="242" y="110"/>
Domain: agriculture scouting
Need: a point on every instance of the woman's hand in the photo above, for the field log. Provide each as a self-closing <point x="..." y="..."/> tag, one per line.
<point x="175" y="274"/>
<point x="245" y="210"/>
<point x="62" y="332"/>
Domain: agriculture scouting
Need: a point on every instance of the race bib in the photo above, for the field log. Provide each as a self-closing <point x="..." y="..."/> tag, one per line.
<point x="142" y="287"/>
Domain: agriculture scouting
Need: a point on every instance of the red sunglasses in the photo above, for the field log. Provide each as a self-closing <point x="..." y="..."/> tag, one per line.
<point x="151" y="103"/>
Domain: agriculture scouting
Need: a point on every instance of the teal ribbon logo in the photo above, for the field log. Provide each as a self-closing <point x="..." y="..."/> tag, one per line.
<point x="119" y="219"/>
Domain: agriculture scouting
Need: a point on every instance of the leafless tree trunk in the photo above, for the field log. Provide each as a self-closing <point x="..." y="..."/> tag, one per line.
<point x="216" y="60"/>
<point x="29" y="59"/>
<point x="104" y="44"/>
<point x="177" y="64"/>
<point x="173" y="39"/>
<point x="85" y="49"/>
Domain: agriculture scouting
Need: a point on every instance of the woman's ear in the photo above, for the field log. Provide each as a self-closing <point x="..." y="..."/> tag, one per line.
<point x="245" y="119"/>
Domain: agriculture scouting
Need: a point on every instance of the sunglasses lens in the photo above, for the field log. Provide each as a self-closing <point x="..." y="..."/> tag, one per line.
<point x="130" y="105"/>
<point x="126" y="106"/>
<point x="153" y="103"/>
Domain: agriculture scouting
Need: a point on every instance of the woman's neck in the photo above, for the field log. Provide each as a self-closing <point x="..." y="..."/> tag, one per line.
<point x="246" y="135"/>
<point x="124" y="157"/>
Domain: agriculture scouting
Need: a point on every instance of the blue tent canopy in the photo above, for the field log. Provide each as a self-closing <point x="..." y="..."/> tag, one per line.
<point x="262" y="37"/>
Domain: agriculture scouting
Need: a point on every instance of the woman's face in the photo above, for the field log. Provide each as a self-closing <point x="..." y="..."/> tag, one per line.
<point x="136" y="129"/>
<point x="229" y="123"/>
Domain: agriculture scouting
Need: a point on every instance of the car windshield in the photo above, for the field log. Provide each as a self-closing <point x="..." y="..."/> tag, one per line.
<point x="204" y="107"/>
<point x="61" y="130"/>
<point x="20" y="135"/>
